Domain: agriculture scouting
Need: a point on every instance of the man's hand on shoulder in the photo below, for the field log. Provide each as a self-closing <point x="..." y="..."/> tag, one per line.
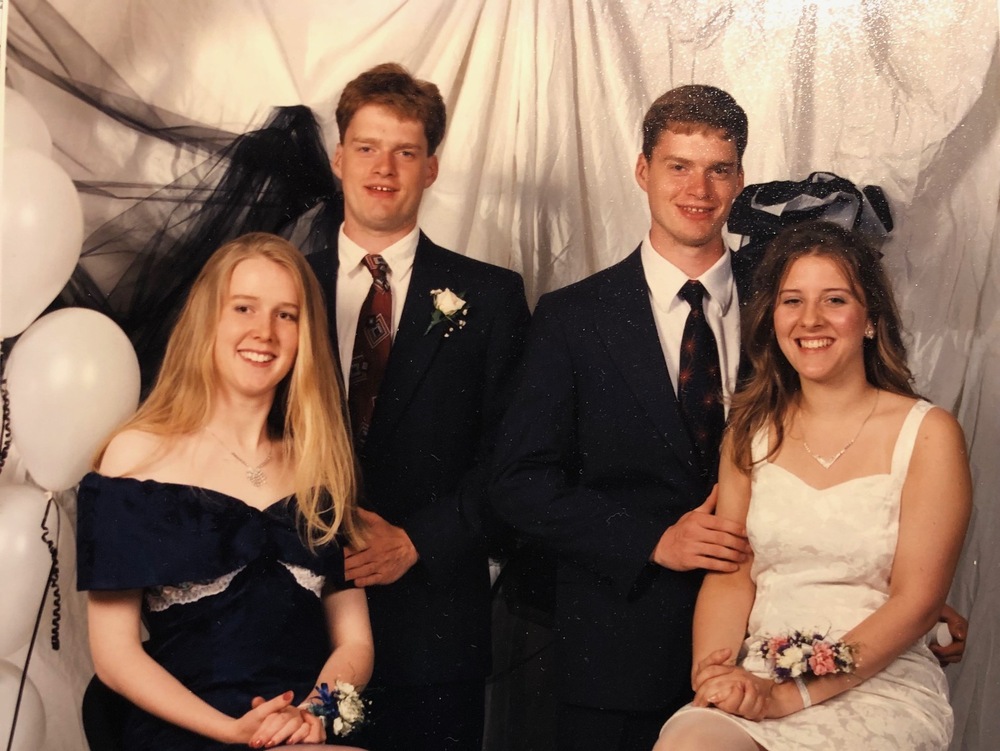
<point x="958" y="627"/>
<point x="700" y="539"/>
<point x="388" y="555"/>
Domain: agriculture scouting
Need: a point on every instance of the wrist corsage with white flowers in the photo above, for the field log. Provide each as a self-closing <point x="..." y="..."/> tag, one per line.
<point x="449" y="307"/>
<point x="341" y="708"/>
<point x="790" y="656"/>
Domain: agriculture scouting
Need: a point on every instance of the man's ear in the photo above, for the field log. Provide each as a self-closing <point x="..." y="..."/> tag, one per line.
<point x="432" y="171"/>
<point x="641" y="170"/>
<point x="338" y="155"/>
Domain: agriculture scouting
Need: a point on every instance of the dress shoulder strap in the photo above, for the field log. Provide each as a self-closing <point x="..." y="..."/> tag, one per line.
<point x="759" y="444"/>
<point x="907" y="438"/>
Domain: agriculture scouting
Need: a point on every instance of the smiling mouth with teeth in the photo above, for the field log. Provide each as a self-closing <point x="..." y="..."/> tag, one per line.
<point x="815" y="343"/>
<point x="381" y="189"/>
<point x="256" y="356"/>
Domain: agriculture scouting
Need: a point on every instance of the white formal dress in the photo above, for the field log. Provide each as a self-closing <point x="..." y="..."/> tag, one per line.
<point x="822" y="560"/>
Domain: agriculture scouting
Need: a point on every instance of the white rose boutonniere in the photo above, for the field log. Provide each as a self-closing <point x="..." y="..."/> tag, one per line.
<point x="449" y="307"/>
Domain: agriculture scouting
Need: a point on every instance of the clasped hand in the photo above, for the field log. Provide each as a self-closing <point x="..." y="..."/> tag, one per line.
<point x="700" y="539"/>
<point x="276" y="721"/>
<point x="388" y="555"/>
<point x="718" y="682"/>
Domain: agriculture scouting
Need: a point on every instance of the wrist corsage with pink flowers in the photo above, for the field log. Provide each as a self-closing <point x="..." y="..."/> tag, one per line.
<point x="341" y="707"/>
<point x="799" y="653"/>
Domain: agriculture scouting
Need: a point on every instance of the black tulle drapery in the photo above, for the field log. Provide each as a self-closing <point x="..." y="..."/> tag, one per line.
<point x="274" y="179"/>
<point x="138" y="266"/>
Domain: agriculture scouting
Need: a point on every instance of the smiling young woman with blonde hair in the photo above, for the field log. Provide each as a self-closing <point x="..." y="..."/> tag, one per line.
<point x="217" y="519"/>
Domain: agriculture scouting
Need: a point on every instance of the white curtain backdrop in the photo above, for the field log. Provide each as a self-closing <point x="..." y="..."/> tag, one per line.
<point x="545" y="98"/>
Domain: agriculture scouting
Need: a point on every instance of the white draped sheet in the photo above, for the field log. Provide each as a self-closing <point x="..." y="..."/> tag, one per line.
<point x="545" y="99"/>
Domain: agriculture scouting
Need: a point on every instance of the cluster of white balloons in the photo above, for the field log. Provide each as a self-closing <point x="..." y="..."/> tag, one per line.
<point x="72" y="376"/>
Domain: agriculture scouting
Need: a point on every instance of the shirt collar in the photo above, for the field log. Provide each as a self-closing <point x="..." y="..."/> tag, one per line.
<point x="665" y="279"/>
<point x="399" y="255"/>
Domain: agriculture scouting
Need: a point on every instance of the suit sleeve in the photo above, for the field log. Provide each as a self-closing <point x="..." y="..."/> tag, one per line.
<point x="539" y="461"/>
<point x="445" y="531"/>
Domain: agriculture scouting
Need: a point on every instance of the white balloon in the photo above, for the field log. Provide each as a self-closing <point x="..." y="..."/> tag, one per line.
<point x="23" y="126"/>
<point x="41" y="233"/>
<point x="30" y="733"/>
<point x="72" y="377"/>
<point x="24" y="562"/>
<point x="13" y="471"/>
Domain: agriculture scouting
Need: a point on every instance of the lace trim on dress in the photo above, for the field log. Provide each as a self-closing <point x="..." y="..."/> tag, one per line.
<point x="305" y="578"/>
<point x="160" y="598"/>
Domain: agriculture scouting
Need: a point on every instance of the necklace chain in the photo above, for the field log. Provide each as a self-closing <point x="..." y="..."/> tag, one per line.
<point x="255" y="475"/>
<point x="827" y="463"/>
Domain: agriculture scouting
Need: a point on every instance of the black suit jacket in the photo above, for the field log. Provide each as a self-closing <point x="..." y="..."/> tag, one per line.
<point x="595" y="462"/>
<point x="425" y="463"/>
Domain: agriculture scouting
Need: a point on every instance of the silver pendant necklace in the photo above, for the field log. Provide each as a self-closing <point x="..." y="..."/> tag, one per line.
<point x="256" y="474"/>
<point x="827" y="463"/>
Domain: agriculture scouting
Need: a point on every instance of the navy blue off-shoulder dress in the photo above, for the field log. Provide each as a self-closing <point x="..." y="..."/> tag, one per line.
<point x="231" y="594"/>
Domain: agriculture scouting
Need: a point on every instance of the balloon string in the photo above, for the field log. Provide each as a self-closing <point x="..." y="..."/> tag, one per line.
<point x="53" y="582"/>
<point x="38" y="621"/>
<point x="5" y="398"/>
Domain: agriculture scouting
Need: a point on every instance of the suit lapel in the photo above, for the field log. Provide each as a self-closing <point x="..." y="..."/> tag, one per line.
<point x="628" y="332"/>
<point x="744" y="263"/>
<point x="324" y="264"/>
<point x="412" y="350"/>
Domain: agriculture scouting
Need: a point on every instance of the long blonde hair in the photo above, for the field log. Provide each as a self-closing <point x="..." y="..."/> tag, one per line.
<point x="768" y="394"/>
<point x="307" y="415"/>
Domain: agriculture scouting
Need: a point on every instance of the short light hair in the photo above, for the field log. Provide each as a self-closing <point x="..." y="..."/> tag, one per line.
<point x="695" y="107"/>
<point x="392" y="86"/>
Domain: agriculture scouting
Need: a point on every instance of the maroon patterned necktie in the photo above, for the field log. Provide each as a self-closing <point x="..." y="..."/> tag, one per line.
<point x="371" y="349"/>
<point x="699" y="382"/>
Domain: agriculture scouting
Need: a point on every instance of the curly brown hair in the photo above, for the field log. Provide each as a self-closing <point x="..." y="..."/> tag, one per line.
<point x="765" y="397"/>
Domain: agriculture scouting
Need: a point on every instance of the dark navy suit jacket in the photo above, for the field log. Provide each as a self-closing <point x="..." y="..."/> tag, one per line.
<point x="425" y="463"/>
<point x="594" y="461"/>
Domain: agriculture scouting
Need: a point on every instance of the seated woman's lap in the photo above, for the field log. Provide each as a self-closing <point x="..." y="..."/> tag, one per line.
<point x="704" y="731"/>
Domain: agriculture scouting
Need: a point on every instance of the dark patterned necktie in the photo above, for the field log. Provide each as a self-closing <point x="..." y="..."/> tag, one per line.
<point x="699" y="382"/>
<point x="371" y="348"/>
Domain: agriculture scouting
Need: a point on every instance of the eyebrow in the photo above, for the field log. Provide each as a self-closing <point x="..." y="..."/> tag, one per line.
<point x="379" y="141"/>
<point x="682" y="160"/>
<point x="827" y="289"/>
<point x="255" y="298"/>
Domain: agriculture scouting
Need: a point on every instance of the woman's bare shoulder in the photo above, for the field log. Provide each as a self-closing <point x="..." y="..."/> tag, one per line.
<point x="938" y="423"/>
<point x="132" y="453"/>
<point x="940" y="428"/>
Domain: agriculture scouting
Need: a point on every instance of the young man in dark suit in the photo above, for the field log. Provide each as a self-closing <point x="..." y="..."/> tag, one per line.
<point x="609" y="452"/>
<point x="428" y="340"/>
<point x="600" y="459"/>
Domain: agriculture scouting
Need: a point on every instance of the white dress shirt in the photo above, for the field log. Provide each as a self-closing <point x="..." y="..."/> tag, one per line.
<point x="670" y="312"/>
<point x="354" y="280"/>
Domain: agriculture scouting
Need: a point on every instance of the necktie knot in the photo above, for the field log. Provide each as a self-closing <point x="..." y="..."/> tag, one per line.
<point x="693" y="292"/>
<point x="379" y="270"/>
